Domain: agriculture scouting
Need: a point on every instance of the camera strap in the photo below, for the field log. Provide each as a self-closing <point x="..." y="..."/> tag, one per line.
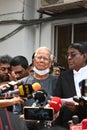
<point x="1" y="124"/>
<point x="5" y="123"/>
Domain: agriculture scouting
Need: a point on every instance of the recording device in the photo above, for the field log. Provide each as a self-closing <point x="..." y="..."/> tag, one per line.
<point x="37" y="110"/>
<point x="84" y="124"/>
<point x="38" y="113"/>
<point x="8" y="86"/>
<point x="39" y="96"/>
<point x="23" y="90"/>
<point x="55" y="103"/>
<point x="5" y="88"/>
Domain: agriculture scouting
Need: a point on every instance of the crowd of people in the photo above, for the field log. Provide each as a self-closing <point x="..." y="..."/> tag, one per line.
<point x="53" y="78"/>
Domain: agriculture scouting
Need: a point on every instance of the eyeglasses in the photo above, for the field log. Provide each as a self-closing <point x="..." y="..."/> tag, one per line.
<point x="44" y="58"/>
<point x="72" y="55"/>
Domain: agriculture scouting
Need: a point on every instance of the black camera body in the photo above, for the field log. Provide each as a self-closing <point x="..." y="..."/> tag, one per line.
<point x="38" y="113"/>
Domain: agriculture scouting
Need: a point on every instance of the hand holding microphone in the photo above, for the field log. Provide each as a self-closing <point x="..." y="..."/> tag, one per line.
<point x="56" y="104"/>
<point x="23" y="90"/>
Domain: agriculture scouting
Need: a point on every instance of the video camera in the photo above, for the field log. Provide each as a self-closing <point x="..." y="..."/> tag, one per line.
<point x="38" y="113"/>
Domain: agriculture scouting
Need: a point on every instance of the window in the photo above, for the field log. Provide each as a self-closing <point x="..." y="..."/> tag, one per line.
<point x="64" y="35"/>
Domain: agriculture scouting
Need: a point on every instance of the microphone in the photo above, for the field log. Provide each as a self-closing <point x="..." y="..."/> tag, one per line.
<point x="5" y="88"/>
<point x="39" y="97"/>
<point x="8" y="86"/>
<point x="24" y="90"/>
<point x="84" y="124"/>
<point x="56" y="103"/>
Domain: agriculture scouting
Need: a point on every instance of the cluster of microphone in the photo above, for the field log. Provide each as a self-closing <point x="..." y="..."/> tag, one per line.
<point x="34" y="91"/>
<point x="22" y="90"/>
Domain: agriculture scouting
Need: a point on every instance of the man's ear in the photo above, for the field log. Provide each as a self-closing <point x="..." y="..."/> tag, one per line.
<point x="28" y="67"/>
<point x="85" y="57"/>
<point x="50" y="64"/>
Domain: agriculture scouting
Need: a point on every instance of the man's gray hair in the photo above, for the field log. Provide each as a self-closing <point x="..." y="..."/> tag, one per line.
<point x="51" y="55"/>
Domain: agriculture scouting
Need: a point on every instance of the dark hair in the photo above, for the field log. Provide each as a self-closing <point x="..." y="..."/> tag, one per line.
<point x="5" y="59"/>
<point x="85" y="44"/>
<point x="79" y="46"/>
<point x="20" y="60"/>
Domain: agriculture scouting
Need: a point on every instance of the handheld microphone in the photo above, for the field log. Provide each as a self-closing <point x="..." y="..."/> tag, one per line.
<point x="8" y="86"/>
<point x="5" y="88"/>
<point x="24" y="90"/>
<point x="56" y="103"/>
<point x="27" y="89"/>
<point x="39" y="97"/>
<point x="84" y="124"/>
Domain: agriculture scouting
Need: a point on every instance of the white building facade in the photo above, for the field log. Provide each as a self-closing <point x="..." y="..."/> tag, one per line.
<point x="23" y="29"/>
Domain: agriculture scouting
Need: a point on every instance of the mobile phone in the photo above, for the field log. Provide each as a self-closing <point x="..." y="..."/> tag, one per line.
<point x="38" y="113"/>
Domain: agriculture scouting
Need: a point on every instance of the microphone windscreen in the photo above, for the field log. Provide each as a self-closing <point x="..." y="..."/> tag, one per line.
<point x="55" y="103"/>
<point x="36" y="86"/>
<point x="40" y="95"/>
<point x="43" y="91"/>
<point x="84" y="124"/>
